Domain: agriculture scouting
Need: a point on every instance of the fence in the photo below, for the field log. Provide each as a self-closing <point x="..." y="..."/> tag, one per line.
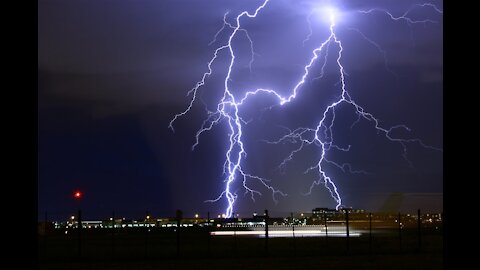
<point x="344" y="232"/>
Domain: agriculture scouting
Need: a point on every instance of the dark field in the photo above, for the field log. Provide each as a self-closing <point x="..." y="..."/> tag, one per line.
<point x="157" y="249"/>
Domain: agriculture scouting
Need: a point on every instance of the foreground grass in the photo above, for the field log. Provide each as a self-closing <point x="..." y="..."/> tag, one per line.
<point x="158" y="250"/>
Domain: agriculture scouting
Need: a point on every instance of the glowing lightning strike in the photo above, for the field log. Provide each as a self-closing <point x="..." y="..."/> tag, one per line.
<point x="229" y="107"/>
<point x="404" y="16"/>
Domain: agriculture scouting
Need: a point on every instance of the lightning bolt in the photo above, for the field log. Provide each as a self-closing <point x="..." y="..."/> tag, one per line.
<point x="229" y="107"/>
<point x="404" y="16"/>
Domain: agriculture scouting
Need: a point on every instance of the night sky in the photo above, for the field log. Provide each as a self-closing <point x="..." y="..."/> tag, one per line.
<point x="112" y="74"/>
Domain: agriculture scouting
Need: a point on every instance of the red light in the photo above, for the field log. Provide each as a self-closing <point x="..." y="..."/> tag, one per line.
<point x="77" y="194"/>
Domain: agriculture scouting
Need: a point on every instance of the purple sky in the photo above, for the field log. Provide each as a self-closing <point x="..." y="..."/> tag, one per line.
<point x="112" y="74"/>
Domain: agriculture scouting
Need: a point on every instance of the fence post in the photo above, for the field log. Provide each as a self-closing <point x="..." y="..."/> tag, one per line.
<point x="45" y="235"/>
<point x="293" y="235"/>
<point x="419" y="227"/>
<point x="208" y="233"/>
<point x="370" y="231"/>
<point x="113" y="233"/>
<point x="326" y="227"/>
<point x="178" y="217"/>
<point x="79" y="229"/>
<point x="234" y="234"/>
<point x="146" y="225"/>
<point x="266" y="232"/>
<point x="348" y="229"/>
<point x="400" y="230"/>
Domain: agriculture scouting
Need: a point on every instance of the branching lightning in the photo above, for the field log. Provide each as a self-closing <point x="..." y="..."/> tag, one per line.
<point x="229" y="109"/>
<point x="404" y="16"/>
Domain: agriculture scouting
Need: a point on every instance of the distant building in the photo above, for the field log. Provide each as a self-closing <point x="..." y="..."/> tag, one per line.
<point x="319" y="211"/>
